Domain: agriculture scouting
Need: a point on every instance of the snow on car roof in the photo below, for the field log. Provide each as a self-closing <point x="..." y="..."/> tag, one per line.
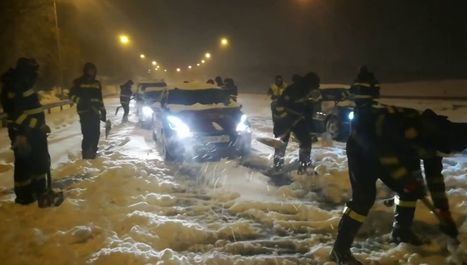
<point x="200" y="107"/>
<point x="192" y="86"/>
<point x="334" y="86"/>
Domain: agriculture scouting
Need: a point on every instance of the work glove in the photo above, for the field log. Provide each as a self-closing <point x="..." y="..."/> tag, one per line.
<point x="46" y="129"/>
<point x="22" y="146"/>
<point x="446" y="224"/>
<point x="103" y="115"/>
<point x="415" y="187"/>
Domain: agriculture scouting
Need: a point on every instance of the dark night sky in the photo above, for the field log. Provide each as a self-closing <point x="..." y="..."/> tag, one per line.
<point x="399" y="39"/>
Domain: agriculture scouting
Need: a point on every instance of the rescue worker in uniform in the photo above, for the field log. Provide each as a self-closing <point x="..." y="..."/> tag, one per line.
<point x="27" y="130"/>
<point x="219" y="81"/>
<point x="231" y="88"/>
<point x="87" y="94"/>
<point x="293" y="114"/>
<point x="275" y="91"/>
<point x="388" y="143"/>
<point x="125" y="97"/>
<point x="365" y="84"/>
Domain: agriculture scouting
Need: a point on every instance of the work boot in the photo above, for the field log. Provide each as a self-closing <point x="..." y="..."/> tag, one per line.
<point x="25" y="200"/>
<point x="402" y="227"/>
<point x="347" y="230"/>
<point x="278" y="163"/>
<point x="343" y="257"/>
<point x="305" y="168"/>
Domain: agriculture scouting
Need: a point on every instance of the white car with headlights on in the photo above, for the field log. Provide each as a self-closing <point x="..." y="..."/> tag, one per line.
<point x="200" y="122"/>
<point x="148" y="93"/>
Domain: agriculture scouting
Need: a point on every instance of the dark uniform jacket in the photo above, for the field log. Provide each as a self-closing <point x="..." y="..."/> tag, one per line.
<point x="125" y="93"/>
<point x="87" y="94"/>
<point x="294" y="106"/>
<point x="365" y="86"/>
<point x="396" y="139"/>
<point x="21" y="103"/>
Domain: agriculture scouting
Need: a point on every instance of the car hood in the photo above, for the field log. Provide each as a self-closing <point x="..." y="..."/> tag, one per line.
<point x="211" y="121"/>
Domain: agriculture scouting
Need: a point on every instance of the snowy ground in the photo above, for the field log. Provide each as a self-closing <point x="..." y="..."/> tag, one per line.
<point x="129" y="207"/>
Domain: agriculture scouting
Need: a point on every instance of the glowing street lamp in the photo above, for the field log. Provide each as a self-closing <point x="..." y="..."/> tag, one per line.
<point x="203" y="61"/>
<point x="178" y="69"/>
<point x="165" y="70"/>
<point x="207" y="55"/>
<point x="198" y="64"/>
<point x="142" y="56"/>
<point x="154" y="63"/>
<point x="124" y="39"/>
<point x="189" y="67"/>
<point x="224" y="42"/>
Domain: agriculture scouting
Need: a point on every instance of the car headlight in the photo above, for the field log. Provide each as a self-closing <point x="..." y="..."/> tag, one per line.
<point x="243" y="125"/>
<point x="181" y="129"/>
<point x="147" y="112"/>
<point x="351" y="115"/>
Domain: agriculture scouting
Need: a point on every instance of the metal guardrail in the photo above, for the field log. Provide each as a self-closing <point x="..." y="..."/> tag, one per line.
<point x="46" y="107"/>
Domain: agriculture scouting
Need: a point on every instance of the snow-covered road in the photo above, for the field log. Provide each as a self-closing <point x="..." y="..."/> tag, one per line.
<point x="130" y="207"/>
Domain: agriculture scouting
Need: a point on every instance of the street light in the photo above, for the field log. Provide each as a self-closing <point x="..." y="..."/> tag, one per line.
<point x="203" y="61"/>
<point x="124" y="39"/>
<point x="154" y="63"/>
<point x="189" y="67"/>
<point x="224" y="42"/>
<point x="142" y="56"/>
<point x="178" y="70"/>
<point x="207" y="55"/>
<point x="198" y="64"/>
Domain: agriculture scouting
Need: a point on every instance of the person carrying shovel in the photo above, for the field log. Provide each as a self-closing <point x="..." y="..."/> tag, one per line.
<point x="28" y="132"/>
<point x="388" y="143"/>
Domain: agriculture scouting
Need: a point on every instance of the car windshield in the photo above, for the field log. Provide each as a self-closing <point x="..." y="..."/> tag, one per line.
<point x="198" y="96"/>
<point x="333" y="94"/>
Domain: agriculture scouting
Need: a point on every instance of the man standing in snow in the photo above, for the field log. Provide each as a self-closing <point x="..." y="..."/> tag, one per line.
<point x="293" y="114"/>
<point x="125" y="97"/>
<point x="388" y="143"/>
<point x="27" y="130"/>
<point x="87" y="94"/>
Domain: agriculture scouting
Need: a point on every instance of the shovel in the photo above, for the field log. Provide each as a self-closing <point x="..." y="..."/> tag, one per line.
<point x="50" y="198"/>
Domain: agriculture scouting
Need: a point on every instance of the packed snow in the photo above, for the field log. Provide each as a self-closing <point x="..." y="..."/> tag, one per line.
<point x="130" y="207"/>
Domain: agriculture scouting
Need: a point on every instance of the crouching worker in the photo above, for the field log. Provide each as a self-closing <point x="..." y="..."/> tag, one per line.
<point x="87" y="94"/>
<point x="293" y="114"/>
<point x="27" y="130"/>
<point x="389" y="142"/>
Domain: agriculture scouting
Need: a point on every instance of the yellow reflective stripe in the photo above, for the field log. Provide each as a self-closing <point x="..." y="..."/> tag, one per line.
<point x="95" y="85"/>
<point x="28" y="92"/>
<point x="21" y="119"/>
<point x="354" y="215"/>
<point x="391" y="109"/>
<point x="411" y="133"/>
<point x="38" y="177"/>
<point x="389" y="160"/>
<point x="20" y="184"/>
<point x="406" y="204"/>
<point x="282" y="115"/>
<point x="362" y="84"/>
<point x="399" y="173"/>
<point x="33" y="122"/>
<point x="33" y="111"/>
